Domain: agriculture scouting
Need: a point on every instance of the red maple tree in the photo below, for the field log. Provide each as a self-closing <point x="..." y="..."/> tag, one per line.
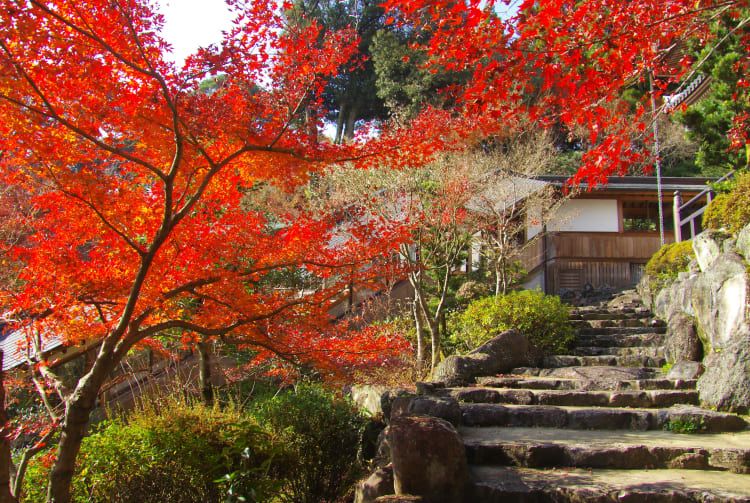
<point x="137" y="179"/>
<point x="562" y="64"/>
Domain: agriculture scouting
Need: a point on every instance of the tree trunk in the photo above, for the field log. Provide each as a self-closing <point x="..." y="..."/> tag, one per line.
<point x="420" y="339"/>
<point x="351" y="119"/>
<point x="340" y="125"/>
<point x="78" y="407"/>
<point x="77" y="413"/>
<point x="434" y="326"/>
<point x="5" y="462"/>
<point x="205" y="349"/>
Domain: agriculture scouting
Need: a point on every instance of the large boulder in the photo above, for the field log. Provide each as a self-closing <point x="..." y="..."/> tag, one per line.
<point x="725" y="383"/>
<point x="429" y="459"/>
<point x="682" y="341"/>
<point x="369" y="397"/>
<point x="685" y="370"/>
<point x="443" y="407"/>
<point x="707" y="247"/>
<point x="500" y="354"/>
<point x="743" y="243"/>
<point x="379" y="483"/>
<point x="719" y="299"/>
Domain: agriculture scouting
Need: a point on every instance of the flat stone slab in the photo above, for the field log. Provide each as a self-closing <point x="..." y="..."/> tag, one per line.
<point x="584" y="384"/>
<point x="621" y="449"/>
<point x="679" y="417"/>
<point x="623" y="330"/>
<point x="618" y="340"/>
<point x="639" y="399"/>
<point x="601" y="373"/>
<point x="603" y="360"/>
<point x="650" y="351"/>
<point x="494" y="484"/>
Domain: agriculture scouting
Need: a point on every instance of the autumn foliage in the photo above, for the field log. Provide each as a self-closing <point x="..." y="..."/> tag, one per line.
<point x="559" y="64"/>
<point x="135" y="177"/>
<point x="137" y="180"/>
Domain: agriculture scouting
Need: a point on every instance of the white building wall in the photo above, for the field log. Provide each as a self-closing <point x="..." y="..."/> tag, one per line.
<point x="586" y="215"/>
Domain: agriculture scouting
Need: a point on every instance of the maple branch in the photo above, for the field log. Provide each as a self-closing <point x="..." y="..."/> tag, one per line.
<point x="172" y="105"/>
<point x="42" y="393"/>
<point x="91" y="35"/>
<point x="19" y="471"/>
<point x="52" y="114"/>
<point x="292" y="115"/>
<point x="132" y="244"/>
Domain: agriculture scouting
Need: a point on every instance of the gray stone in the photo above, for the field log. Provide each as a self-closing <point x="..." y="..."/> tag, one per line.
<point x="729" y="245"/>
<point x="685" y="370"/>
<point x="443" y="407"/>
<point x="688" y="418"/>
<point x="429" y="459"/>
<point x="707" y="247"/>
<point x="719" y="299"/>
<point x="726" y="383"/>
<point x="743" y="242"/>
<point x="690" y="461"/>
<point x="500" y="354"/>
<point x="387" y="399"/>
<point x="682" y="341"/>
<point x="367" y="397"/>
<point x="404" y="498"/>
<point x="379" y="483"/>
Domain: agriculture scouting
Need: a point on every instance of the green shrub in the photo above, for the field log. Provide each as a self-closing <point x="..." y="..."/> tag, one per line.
<point x="731" y="209"/>
<point x="542" y="318"/>
<point x="670" y="260"/>
<point x="178" y="454"/>
<point x="323" y="432"/>
<point x="686" y="425"/>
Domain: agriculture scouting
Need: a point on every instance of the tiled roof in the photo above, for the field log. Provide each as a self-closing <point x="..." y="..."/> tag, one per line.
<point x="696" y="90"/>
<point x="16" y="350"/>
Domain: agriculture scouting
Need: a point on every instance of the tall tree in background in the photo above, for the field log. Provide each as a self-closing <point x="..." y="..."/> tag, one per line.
<point x="710" y="120"/>
<point x="351" y="94"/>
<point x="403" y="81"/>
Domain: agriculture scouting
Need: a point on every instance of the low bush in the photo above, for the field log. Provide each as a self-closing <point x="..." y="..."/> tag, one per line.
<point x="670" y="260"/>
<point x="730" y="209"/>
<point x="322" y="431"/>
<point x="542" y="318"/>
<point x="177" y="454"/>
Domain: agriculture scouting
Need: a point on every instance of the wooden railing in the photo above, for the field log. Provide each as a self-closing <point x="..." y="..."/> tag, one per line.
<point x="687" y="209"/>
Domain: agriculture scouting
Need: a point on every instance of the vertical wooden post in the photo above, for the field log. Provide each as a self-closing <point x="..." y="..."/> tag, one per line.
<point x="677" y="202"/>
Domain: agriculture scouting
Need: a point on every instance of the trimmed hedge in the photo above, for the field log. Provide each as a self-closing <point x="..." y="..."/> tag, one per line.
<point x="670" y="260"/>
<point x="544" y="319"/>
<point x="730" y="210"/>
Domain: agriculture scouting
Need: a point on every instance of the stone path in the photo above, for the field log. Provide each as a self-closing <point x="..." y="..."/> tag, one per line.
<point x="598" y="425"/>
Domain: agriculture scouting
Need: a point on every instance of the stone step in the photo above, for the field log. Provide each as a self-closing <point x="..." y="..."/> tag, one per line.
<point x="612" y="449"/>
<point x="585" y="384"/>
<point x="650" y="351"/>
<point x="596" y="418"/>
<point x="494" y="484"/>
<point x="605" y="315"/>
<point x="633" y="311"/>
<point x="637" y="399"/>
<point x="603" y="360"/>
<point x="623" y="341"/>
<point x="599" y="373"/>
<point x="622" y="330"/>
<point x="628" y="323"/>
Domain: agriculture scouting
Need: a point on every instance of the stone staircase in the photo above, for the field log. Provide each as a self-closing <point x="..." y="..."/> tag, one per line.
<point x="601" y="424"/>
